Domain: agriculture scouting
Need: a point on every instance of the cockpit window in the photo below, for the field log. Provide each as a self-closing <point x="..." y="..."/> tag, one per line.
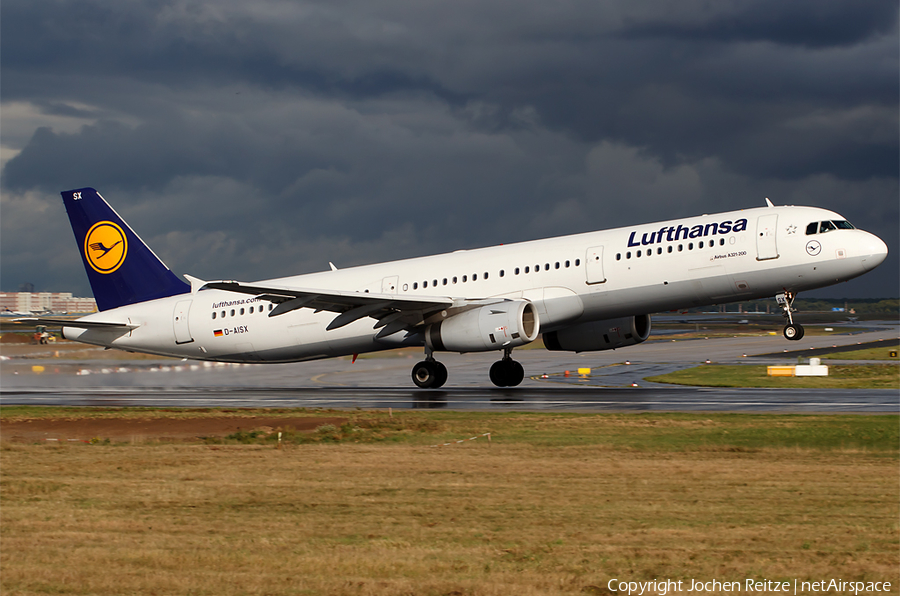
<point x="827" y="226"/>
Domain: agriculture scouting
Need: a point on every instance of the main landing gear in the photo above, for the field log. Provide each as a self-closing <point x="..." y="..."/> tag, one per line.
<point x="507" y="372"/>
<point x="792" y="331"/>
<point x="431" y="374"/>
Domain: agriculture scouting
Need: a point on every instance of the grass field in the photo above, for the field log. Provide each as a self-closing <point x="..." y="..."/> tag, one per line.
<point x="840" y="376"/>
<point x="554" y="504"/>
<point x="879" y="353"/>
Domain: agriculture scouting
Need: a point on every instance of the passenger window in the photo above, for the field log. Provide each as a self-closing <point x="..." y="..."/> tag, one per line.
<point x="485" y="274"/>
<point x="721" y="242"/>
<point x="445" y="281"/>
<point x="700" y="245"/>
<point x="826" y="226"/>
<point x="680" y="247"/>
<point x="812" y="228"/>
<point x="271" y="306"/>
<point x="517" y="270"/>
<point x="464" y="279"/>
<point x="501" y="273"/>
<point x="474" y="277"/>
<point x="527" y="269"/>
<point x="628" y="255"/>
<point x="567" y="264"/>
<point x="638" y="253"/>
<point x="670" y="249"/>
<point x="425" y="284"/>
<point x="454" y="280"/>
<point x="415" y="285"/>
<point x="556" y="266"/>
<point x="618" y="256"/>
<point x="214" y="315"/>
<point x="577" y="262"/>
<point x="690" y="246"/>
<point x="546" y="266"/>
<point x="659" y="250"/>
<point x="223" y="314"/>
<point x="242" y="311"/>
<point x="434" y="282"/>
<point x="232" y="312"/>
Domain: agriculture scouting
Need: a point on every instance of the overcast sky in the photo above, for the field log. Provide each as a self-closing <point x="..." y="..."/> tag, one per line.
<point x="245" y="140"/>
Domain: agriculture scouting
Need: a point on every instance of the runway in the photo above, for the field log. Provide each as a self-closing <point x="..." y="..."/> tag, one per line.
<point x="384" y="382"/>
<point x="669" y="399"/>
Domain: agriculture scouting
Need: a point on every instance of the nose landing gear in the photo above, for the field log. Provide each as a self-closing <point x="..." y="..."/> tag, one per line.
<point x="792" y="331"/>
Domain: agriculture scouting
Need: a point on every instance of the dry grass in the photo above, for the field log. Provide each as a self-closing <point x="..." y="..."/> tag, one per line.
<point x="403" y="519"/>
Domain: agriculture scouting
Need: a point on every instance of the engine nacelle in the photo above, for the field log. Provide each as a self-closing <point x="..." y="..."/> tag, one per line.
<point x="504" y="324"/>
<point x="600" y="335"/>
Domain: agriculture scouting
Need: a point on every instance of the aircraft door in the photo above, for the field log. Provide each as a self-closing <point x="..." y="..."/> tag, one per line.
<point x="766" y="247"/>
<point x="180" y="322"/>
<point x="593" y="265"/>
<point x="389" y="284"/>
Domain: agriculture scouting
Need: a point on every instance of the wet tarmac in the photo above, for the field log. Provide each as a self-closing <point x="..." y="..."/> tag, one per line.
<point x="615" y="383"/>
<point x="670" y="399"/>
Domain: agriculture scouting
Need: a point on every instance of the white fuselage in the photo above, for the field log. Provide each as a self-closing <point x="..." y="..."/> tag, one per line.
<point x="711" y="259"/>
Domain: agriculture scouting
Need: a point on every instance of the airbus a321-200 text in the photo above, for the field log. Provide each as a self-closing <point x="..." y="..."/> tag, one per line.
<point x="584" y="292"/>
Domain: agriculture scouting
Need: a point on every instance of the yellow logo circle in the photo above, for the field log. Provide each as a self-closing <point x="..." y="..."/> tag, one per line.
<point x="105" y="247"/>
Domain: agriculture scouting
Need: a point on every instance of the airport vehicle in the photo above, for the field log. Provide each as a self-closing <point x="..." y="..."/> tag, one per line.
<point x="584" y="292"/>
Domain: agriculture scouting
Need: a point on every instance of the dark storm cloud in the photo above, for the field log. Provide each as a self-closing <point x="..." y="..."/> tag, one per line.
<point x="270" y="133"/>
<point x="809" y="23"/>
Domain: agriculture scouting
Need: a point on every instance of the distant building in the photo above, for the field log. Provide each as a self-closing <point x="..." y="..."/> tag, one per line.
<point x="58" y="302"/>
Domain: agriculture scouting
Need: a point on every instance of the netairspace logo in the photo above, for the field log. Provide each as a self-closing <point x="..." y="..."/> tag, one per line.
<point x="663" y="587"/>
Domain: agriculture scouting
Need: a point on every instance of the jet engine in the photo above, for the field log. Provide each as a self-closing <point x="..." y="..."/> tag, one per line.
<point x="600" y="335"/>
<point x="502" y="325"/>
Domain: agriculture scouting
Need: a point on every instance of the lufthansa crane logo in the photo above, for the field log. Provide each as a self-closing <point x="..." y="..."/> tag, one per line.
<point x="813" y="248"/>
<point x="105" y="247"/>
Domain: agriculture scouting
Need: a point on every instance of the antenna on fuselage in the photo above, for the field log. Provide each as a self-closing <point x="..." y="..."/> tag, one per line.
<point x="769" y="203"/>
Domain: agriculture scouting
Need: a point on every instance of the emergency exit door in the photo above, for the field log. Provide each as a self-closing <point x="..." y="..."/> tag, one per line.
<point x="593" y="265"/>
<point x="180" y="322"/>
<point x="766" y="247"/>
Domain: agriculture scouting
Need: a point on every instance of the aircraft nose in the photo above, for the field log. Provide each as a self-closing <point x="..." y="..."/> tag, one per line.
<point x="874" y="251"/>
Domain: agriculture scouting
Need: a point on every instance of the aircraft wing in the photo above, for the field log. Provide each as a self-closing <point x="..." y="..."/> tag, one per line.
<point x="394" y="312"/>
<point x="74" y="323"/>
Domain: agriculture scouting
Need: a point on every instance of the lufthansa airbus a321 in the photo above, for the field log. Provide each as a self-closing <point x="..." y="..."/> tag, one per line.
<point x="584" y="292"/>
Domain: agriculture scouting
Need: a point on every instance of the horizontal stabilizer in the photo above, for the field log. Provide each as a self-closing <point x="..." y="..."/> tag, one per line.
<point x="75" y="323"/>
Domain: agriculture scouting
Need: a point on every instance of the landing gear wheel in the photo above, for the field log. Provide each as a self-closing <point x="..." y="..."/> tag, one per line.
<point x="441" y="376"/>
<point x="507" y="373"/>
<point x="429" y="374"/>
<point x="793" y="331"/>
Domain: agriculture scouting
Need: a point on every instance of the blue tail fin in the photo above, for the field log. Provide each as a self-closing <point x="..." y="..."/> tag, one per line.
<point x="121" y="268"/>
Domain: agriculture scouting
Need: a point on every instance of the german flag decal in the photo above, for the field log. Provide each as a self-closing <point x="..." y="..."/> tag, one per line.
<point x="218" y="333"/>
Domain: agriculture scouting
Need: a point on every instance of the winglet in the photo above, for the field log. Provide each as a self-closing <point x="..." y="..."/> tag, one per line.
<point x="196" y="283"/>
<point x="769" y="203"/>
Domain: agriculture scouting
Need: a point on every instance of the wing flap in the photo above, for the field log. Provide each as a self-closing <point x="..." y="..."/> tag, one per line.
<point x="331" y="300"/>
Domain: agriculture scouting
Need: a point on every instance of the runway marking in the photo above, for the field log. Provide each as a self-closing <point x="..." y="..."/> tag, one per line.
<point x="318" y="379"/>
